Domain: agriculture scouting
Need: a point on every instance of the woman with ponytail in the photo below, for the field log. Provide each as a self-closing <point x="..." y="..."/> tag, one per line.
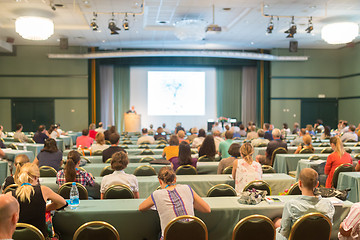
<point x="71" y="173"/>
<point x="245" y="169"/>
<point x="335" y="159"/>
<point x="19" y="161"/>
<point x="32" y="197"/>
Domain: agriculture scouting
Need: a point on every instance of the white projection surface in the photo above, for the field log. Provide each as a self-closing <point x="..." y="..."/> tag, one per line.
<point x="171" y="93"/>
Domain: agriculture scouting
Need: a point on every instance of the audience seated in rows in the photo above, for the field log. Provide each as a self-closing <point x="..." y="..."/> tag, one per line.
<point x="110" y="131"/>
<point x="184" y="157"/>
<point x="310" y="130"/>
<point x="181" y="135"/>
<point x="274" y="144"/>
<point x="167" y="131"/>
<point x="318" y="126"/>
<point x="234" y="151"/>
<point x="53" y="132"/>
<point x="49" y="155"/>
<point x="119" y="162"/>
<point x="41" y="135"/>
<point x="160" y="134"/>
<point x="286" y="130"/>
<point x="217" y="127"/>
<point x="194" y="133"/>
<point x="19" y="161"/>
<point x="19" y="134"/>
<point x="299" y="139"/>
<point x="252" y="134"/>
<point x="296" y="128"/>
<point x="242" y="131"/>
<point x="178" y="128"/>
<point x="84" y="141"/>
<point x="199" y="139"/>
<point x="173" y="200"/>
<point x="151" y="130"/>
<point x="326" y="134"/>
<point x="114" y="140"/>
<point x="145" y="138"/>
<point x="306" y="144"/>
<point x="217" y="139"/>
<point x="208" y="147"/>
<point x="260" y="141"/>
<point x="100" y="128"/>
<point x="172" y="150"/>
<point x="99" y="144"/>
<point x="225" y="145"/>
<point x="9" y="212"/>
<point x="268" y="134"/>
<point x="350" y="135"/>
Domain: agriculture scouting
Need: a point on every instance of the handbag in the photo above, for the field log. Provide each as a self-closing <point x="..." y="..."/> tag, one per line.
<point x="252" y="196"/>
<point x="332" y="192"/>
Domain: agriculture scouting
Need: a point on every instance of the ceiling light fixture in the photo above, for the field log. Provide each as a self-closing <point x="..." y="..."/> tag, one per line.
<point x="34" y="28"/>
<point x="126" y="23"/>
<point x="93" y="24"/>
<point x="213" y="28"/>
<point x="340" y="33"/>
<point x="112" y="26"/>
<point x="270" y="27"/>
<point x="292" y="30"/>
<point x="310" y="26"/>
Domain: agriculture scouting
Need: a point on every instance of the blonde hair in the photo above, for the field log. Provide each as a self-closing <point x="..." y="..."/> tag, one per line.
<point x="246" y="151"/>
<point x="181" y="134"/>
<point x="339" y="147"/>
<point x="19" y="161"/>
<point x="27" y="175"/>
<point x="100" y="138"/>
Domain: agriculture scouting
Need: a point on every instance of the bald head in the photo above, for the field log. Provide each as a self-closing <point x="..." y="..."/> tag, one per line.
<point x="217" y="133"/>
<point x="9" y="212"/>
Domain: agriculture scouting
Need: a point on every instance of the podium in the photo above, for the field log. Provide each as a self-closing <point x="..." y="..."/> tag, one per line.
<point x="132" y="122"/>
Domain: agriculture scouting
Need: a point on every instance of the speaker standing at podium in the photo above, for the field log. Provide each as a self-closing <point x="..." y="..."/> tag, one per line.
<point x="132" y="121"/>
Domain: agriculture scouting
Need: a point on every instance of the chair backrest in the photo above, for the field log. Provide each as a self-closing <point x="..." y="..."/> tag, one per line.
<point x="161" y="145"/>
<point x="124" y="146"/>
<point x="144" y="170"/>
<point x="258" y="185"/>
<point x="357" y="156"/>
<point x="128" y="142"/>
<point x="86" y="159"/>
<point x="311" y="226"/>
<point x="30" y="140"/>
<point x="357" y="144"/>
<point x="248" y="228"/>
<point x="268" y="169"/>
<point x="307" y="150"/>
<point x="146" y="159"/>
<point x="186" y="170"/>
<point x="205" y="158"/>
<point x="348" y="150"/>
<point x="262" y="145"/>
<point x="186" y="227"/>
<point x="96" y="230"/>
<point x="118" y="191"/>
<point x="97" y="153"/>
<point x="108" y="160"/>
<point x="294" y="189"/>
<point x="221" y="190"/>
<point x="106" y="171"/>
<point x="17" y="140"/>
<point x="13" y="146"/>
<point x="146" y="152"/>
<point x="11" y="187"/>
<point x="162" y="141"/>
<point x="26" y="231"/>
<point x="64" y="191"/>
<point x="47" y="171"/>
<point x="314" y="157"/>
<point x="146" y="146"/>
<point x="324" y="145"/>
<point x="347" y="167"/>
<point x="327" y="150"/>
<point x="227" y="170"/>
<point x="350" y="140"/>
<point x="277" y="151"/>
<point x="107" y="142"/>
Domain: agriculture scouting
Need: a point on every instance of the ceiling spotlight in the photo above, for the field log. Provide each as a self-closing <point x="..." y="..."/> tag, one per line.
<point x="93" y="24"/>
<point x="310" y="26"/>
<point x="112" y="26"/>
<point x="125" y="23"/>
<point x="292" y="30"/>
<point x="270" y="27"/>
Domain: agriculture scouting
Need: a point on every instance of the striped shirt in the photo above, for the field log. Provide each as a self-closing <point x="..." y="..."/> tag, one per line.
<point x="352" y="221"/>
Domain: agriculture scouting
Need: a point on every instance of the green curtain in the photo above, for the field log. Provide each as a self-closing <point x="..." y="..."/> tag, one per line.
<point x="228" y="81"/>
<point x="121" y="94"/>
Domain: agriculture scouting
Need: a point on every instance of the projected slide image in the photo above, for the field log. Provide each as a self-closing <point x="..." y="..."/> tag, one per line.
<point x="176" y="93"/>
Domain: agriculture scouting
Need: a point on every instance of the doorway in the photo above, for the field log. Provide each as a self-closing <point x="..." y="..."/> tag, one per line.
<point x="318" y="108"/>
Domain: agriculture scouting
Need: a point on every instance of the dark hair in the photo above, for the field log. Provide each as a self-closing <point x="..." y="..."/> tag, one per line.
<point x="50" y="146"/>
<point x="261" y="132"/>
<point x="319" y="121"/>
<point x="352" y="128"/>
<point x="70" y="172"/>
<point x="100" y="124"/>
<point x="41" y="128"/>
<point x="234" y="150"/>
<point x="167" y="175"/>
<point x="112" y="129"/>
<point x="345" y="123"/>
<point x="119" y="161"/>
<point x="266" y="126"/>
<point x="285" y="125"/>
<point x="184" y="154"/>
<point x="114" y="138"/>
<point x="52" y="128"/>
<point x="327" y="131"/>
<point x="202" y="133"/>
<point x="208" y="146"/>
<point x="18" y="126"/>
<point x="242" y="127"/>
<point x="174" y="140"/>
<point x="85" y="132"/>
<point x="144" y="130"/>
<point x="229" y="134"/>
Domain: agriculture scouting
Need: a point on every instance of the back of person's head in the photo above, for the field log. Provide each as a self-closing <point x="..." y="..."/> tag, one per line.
<point x="352" y="128"/>
<point x="227" y="127"/>
<point x="327" y="131"/>
<point x="18" y="126"/>
<point x="52" y="128"/>
<point x="246" y="151"/>
<point x="73" y="159"/>
<point x="303" y="131"/>
<point x="250" y="123"/>
<point x="19" y="161"/>
<point x="307" y="139"/>
<point x="100" y="138"/>
<point x="339" y="147"/>
<point x="41" y="128"/>
<point x="92" y="126"/>
<point x="266" y="126"/>
<point x="242" y="127"/>
<point x="296" y="125"/>
<point x="112" y="129"/>
<point x="252" y="128"/>
<point x="309" y="178"/>
<point x="9" y="212"/>
<point x="229" y="134"/>
<point x="234" y="150"/>
<point x="119" y="161"/>
<point x="202" y="133"/>
<point x="276" y="133"/>
<point x="184" y="153"/>
<point x="27" y="175"/>
<point x="261" y="133"/>
<point x="309" y="127"/>
<point x="144" y="131"/>
<point x="163" y="125"/>
<point x="194" y="130"/>
<point x="178" y="124"/>
<point x="345" y="123"/>
<point x="285" y="125"/>
<point x="114" y="138"/>
<point x="208" y="146"/>
<point x="319" y="121"/>
<point x="100" y="124"/>
<point x="85" y="132"/>
<point x="217" y="133"/>
<point x="167" y="175"/>
<point x="50" y="146"/>
<point x="151" y="126"/>
<point x="174" y="140"/>
<point x="181" y="134"/>
<point x="159" y="130"/>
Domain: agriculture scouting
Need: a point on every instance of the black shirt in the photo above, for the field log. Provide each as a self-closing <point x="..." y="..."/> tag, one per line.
<point x="107" y="153"/>
<point x="272" y="146"/>
<point x="40" y="137"/>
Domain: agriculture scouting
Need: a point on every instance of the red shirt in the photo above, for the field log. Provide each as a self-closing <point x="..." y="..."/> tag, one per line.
<point x="84" y="141"/>
<point x="332" y="162"/>
<point x="92" y="133"/>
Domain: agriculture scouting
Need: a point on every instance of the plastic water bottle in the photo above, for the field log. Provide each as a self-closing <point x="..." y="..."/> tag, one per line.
<point x="74" y="196"/>
<point x="25" y="148"/>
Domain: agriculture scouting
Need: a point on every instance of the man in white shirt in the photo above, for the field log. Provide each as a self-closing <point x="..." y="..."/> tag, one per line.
<point x="350" y="135"/>
<point x="9" y="212"/>
<point x="100" y="128"/>
<point x="217" y="139"/>
<point x="217" y="127"/>
<point x="167" y="131"/>
<point x="145" y="138"/>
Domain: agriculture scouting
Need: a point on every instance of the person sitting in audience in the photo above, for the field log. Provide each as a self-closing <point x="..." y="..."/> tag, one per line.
<point x="234" y="151"/>
<point x="84" y="141"/>
<point x="119" y="162"/>
<point x="225" y="145"/>
<point x="100" y="128"/>
<point x="114" y="140"/>
<point x="19" y="134"/>
<point x="217" y="140"/>
<point x="335" y="159"/>
<point x="345" y="127"/>
<point x="2" y="145"/>
<point x="299" y="139"/>
<point x="9" y="212"/>
<point x="19" y="161"/>
<point x="53" y="132"/>
<point x="194" y="133"/>
<point x="286" y="129"/>
<point x="296" y="128"/>
<point x="145" y="138"/>
<point x="350" y="135"/>
<point x="199" y="139"/>
<point x="160" y="134"/>
<point x="181" y="135"/>
<point x="310" y="130"/>
<point x="274" y="144"/>
<point x="71" y="173"/>
<point x="49" y="155"/>
<point x="41" y="135"/>
<point x="2" y="134"/>
<point x="318" y="126"/>
<point x="242" y="131"/>
<point x="306" y="144"/>
<point x="178" y="128"/>
<point x="245" y="170"/>
<point x="60" y="131"/>
<point x="268" y="134"/>
<point x="167" y="131"/>
<point x="217" y="127"/>
<point x="173" y="200"/>
<point x="108" y="132"/>
<point x="92" y="132"/>
<point x="172" y="150"/>
<point x="151" y="129"/>
<point x="99" y="144"/>
<point x="2" y="154"/>
<point x="32" y="198"/>
<point x="350" y="227"/>
<point x="260" y="141"/>
<point x="252" y="134"/>
<point x="208" y="147"/>
<point x="184" y="157"/>
<point x="227" y="128"/>
<point x="326" y="134"/>
<point x="306" y="203"/>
